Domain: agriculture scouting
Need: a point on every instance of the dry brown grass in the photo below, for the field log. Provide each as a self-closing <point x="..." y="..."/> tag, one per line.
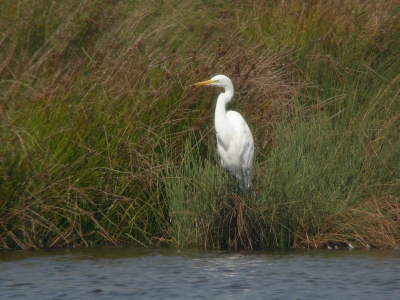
<point x="375" y="223"/>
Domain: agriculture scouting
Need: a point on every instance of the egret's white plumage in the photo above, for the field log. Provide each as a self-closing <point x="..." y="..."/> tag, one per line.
<point x="234" y="139"/>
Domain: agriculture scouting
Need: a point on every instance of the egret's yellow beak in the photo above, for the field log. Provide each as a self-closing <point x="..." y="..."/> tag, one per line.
<point x="207" y="82"/>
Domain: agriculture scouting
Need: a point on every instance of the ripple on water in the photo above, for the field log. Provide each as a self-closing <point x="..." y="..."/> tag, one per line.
<point x="129" y="273"/>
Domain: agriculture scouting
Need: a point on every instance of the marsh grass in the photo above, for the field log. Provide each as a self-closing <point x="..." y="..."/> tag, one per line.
<point x="102" y="141"/>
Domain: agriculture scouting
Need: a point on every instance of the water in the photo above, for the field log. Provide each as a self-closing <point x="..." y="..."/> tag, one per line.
<point x="131" y="273"/>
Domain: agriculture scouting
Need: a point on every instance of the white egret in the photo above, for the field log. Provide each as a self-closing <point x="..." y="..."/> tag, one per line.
<point x="234" y="139"/>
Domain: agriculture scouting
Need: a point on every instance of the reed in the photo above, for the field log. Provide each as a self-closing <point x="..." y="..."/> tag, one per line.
<point x="102" y="141"/>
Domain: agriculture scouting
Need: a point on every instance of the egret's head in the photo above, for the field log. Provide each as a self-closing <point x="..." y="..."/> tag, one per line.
<point x="219" y="80"/>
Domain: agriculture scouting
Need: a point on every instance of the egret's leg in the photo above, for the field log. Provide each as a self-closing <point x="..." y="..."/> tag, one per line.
<point x="243" y="186"/>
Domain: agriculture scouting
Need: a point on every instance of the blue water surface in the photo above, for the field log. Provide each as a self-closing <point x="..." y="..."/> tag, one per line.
<point x="136" y="273"/>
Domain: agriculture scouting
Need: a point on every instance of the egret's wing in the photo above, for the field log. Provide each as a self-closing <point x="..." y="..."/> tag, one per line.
<point x="244" y="144"/>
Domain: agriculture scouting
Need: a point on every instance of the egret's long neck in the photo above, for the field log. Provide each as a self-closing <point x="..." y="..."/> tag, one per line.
<point x="220" y="109"/>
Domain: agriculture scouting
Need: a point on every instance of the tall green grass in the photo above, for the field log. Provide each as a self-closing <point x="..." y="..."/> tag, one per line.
<point x="194" y="189"/>
<point x="102" y="141"/>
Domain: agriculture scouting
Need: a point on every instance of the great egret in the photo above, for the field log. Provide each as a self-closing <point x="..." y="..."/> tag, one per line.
<point x="234" y="139"/>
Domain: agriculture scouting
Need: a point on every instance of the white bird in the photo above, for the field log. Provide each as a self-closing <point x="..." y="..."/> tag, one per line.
<point x="234" y="139"/>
